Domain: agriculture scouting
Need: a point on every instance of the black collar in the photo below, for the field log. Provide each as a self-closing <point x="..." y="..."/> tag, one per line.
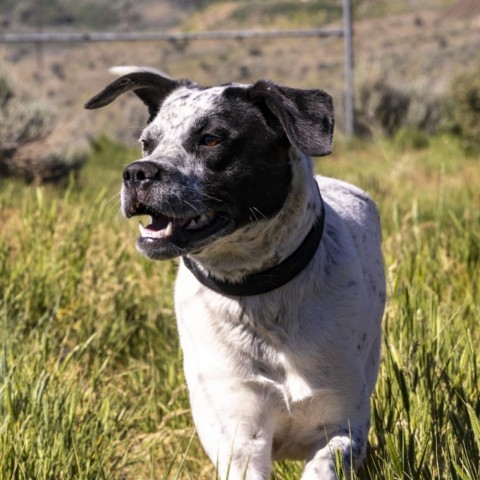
<point x="272" y="278"/>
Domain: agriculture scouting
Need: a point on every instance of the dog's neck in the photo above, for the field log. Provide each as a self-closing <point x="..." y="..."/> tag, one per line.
<point x="266" y="243"/>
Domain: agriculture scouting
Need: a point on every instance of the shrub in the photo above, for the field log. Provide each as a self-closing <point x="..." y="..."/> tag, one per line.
<point x="463" y="107"/>
<point x="29" y="146"/>
<point x="384" y="107"/>
<point x="381" y="106"/>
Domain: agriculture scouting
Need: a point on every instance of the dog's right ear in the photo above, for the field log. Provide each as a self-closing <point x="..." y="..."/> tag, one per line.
<point x="307" y="116"/>
<point x="150" y="87"/>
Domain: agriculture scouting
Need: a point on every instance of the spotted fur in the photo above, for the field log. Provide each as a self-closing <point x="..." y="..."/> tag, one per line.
<point x="288" y="373"/>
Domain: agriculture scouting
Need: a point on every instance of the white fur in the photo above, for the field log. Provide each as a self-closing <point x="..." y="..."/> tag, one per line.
<point x="288" y="374"/>
<point x="125" y="69"/>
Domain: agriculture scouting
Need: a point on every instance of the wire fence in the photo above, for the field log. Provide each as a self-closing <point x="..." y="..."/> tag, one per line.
<point x="40" y="37"/>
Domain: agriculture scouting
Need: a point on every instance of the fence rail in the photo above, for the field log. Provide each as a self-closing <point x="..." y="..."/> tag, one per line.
<point x="164" y="36"/>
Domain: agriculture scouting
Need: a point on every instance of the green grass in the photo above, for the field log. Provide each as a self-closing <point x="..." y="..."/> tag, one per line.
<point x="91" y="383"/>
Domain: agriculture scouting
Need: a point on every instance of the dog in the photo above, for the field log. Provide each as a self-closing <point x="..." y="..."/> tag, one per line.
<point x="280" y="289"/>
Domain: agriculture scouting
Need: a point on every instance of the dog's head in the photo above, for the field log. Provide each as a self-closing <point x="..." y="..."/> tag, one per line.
<point x="214" y="159"/>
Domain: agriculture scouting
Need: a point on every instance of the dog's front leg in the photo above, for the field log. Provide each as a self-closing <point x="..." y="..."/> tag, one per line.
<point x="344" y="450"/>
<point x="245" y="456"/>
<point x="235" y="426"/>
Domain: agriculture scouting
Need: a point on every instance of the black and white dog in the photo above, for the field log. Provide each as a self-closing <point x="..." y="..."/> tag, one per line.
<point x="281" y="288"/>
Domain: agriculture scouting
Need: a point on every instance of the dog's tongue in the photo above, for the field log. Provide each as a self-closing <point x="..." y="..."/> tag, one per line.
<point x="159" y="223"/>
<point x="160" y="227"/>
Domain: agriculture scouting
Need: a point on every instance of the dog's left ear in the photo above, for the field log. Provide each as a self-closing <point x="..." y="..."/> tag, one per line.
<point x="306" y="115"/>
<point x="151" y="88"/>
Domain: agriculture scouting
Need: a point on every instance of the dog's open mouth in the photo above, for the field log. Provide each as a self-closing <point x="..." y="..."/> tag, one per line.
<point x="166" y="236"/>
<point x="163" y="227"/>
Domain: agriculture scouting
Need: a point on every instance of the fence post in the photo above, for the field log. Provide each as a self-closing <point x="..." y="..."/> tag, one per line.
<point x="348" y="67"/>
<point x="39" y="30"/>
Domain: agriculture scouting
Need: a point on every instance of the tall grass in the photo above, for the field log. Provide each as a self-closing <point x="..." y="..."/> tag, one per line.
<point x="91" y="383"/>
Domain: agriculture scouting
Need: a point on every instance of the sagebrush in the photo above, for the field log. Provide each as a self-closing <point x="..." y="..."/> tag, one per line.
<point x="34" y="144"/>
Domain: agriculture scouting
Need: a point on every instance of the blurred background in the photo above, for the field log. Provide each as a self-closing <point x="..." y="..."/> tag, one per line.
<point x="416" y="66"/>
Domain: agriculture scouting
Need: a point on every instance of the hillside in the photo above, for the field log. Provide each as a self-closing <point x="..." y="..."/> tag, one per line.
<point x="418" y="44"/>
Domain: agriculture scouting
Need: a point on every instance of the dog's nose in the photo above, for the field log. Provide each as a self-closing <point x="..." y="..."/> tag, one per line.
<point x="141" y="171"/>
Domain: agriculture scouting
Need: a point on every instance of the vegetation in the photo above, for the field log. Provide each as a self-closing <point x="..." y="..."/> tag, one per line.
<point x="384" y="108"/>
<point x="463" y="107"/>
<point x="30" y="144"/>
<point x="281" y="13"/>
<point x="411" y="113"/>
<point x="58" y="13"/>
<point x="91" y="384"/>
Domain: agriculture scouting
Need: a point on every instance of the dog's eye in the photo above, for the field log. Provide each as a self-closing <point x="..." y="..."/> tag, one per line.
<point x="210" y="140"/>
<point x="146" y="144"/>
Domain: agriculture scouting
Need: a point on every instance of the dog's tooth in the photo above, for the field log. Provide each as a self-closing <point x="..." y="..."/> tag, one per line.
<point x="191" y="225"/>
<point x="169" y="229"/>
<point x="200" y="222"/>
<point x="143" y="230"/>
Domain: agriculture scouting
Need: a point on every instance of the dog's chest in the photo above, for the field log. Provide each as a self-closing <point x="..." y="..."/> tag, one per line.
<point x="231" y="349"/>
<point x="260" y="344"/>
<point x="251" y="339"/>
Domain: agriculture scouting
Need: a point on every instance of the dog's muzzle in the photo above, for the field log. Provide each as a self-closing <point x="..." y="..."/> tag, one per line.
<point x="177" y="225"/>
